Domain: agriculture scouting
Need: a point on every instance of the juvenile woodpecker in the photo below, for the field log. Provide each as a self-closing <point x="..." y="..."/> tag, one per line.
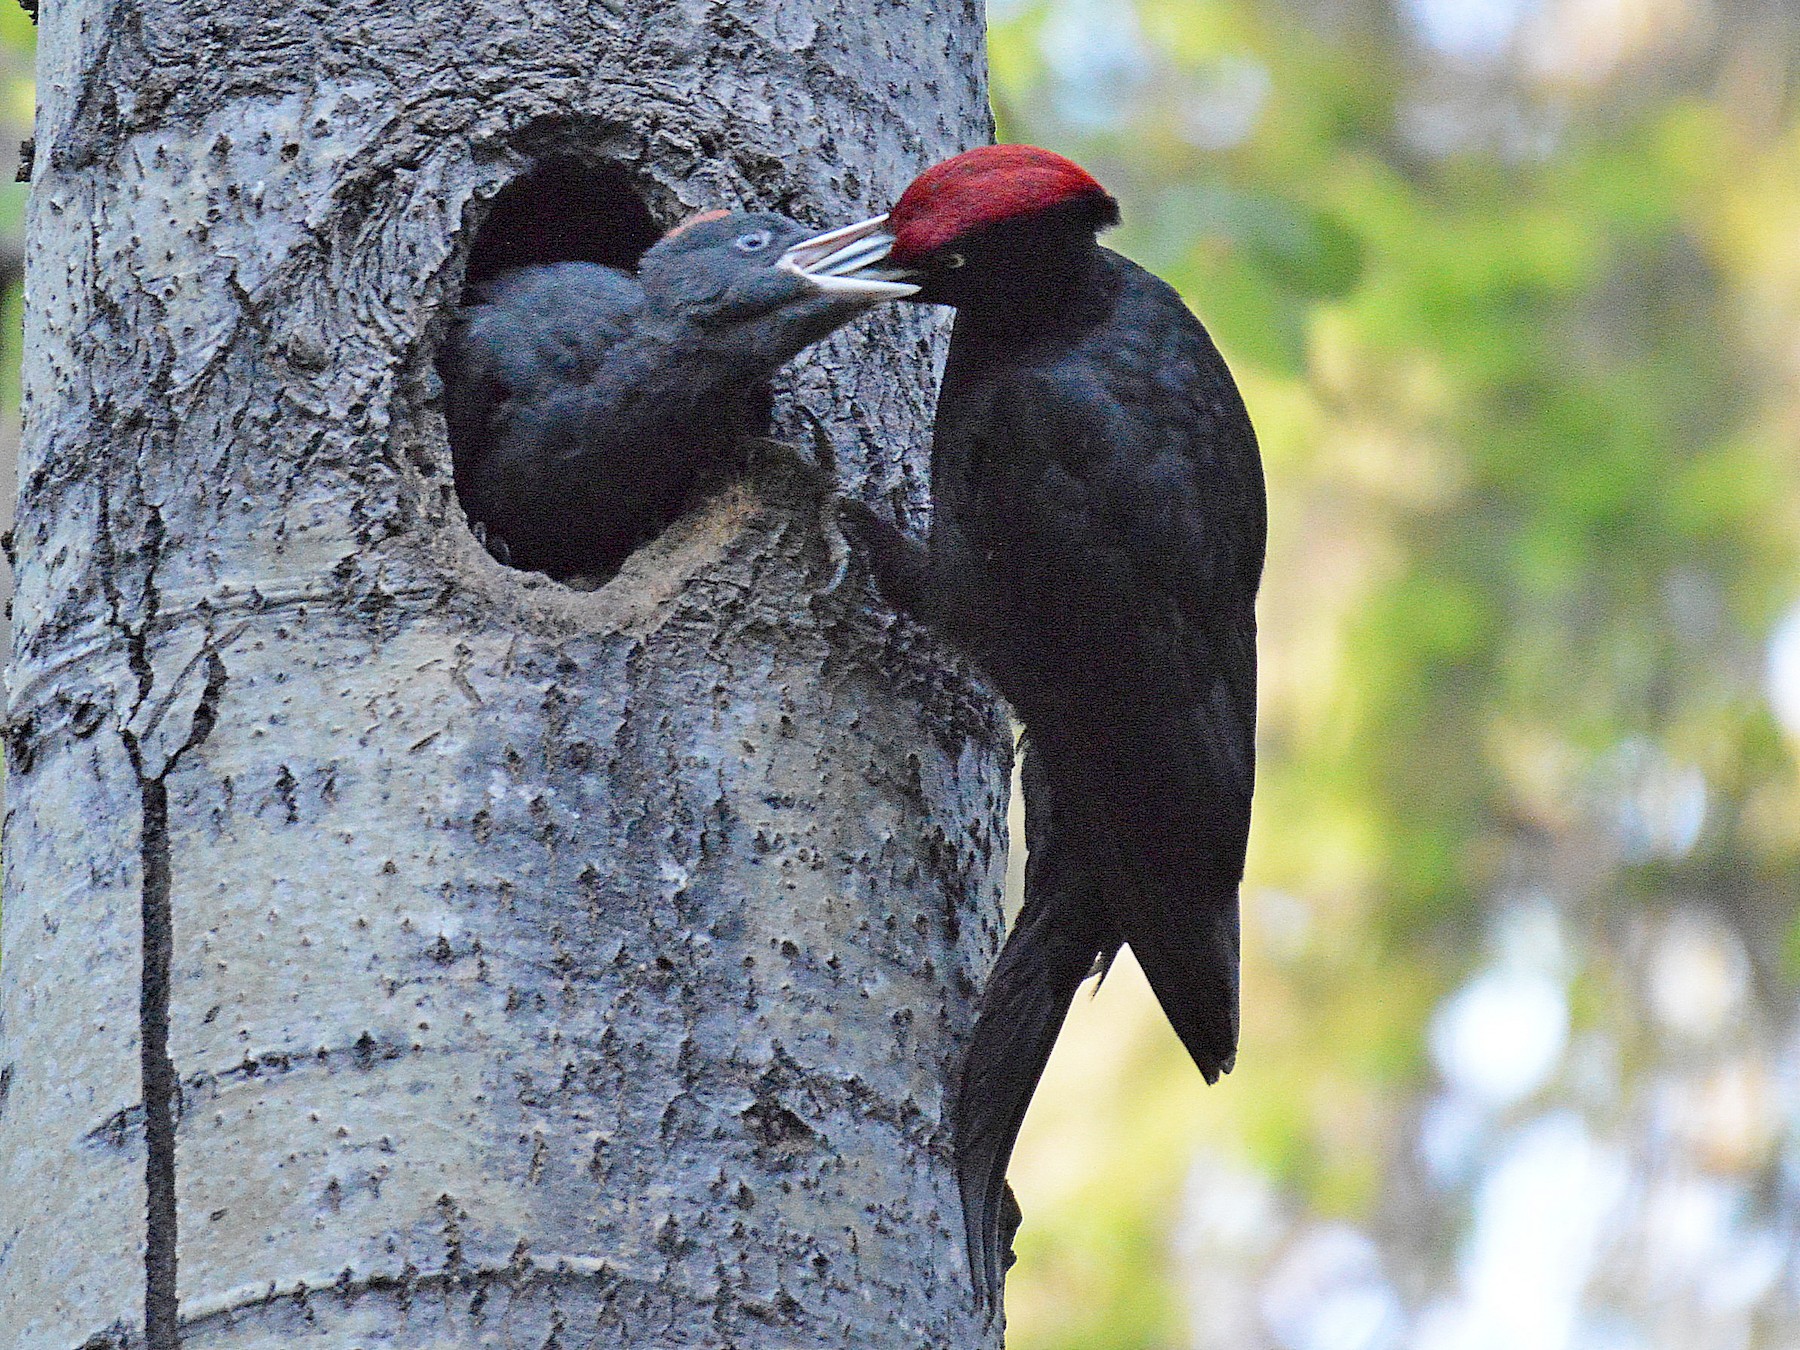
<point x="586" y="405"/>
<point x="1096" y="543"/>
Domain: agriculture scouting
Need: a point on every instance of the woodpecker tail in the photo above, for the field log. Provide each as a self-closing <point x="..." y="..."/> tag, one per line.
<point x="1050" y="951"/>
<point x="1183" y="930"/>
<point x="1179" y="828"/>
<point x="1022" y="1009"/>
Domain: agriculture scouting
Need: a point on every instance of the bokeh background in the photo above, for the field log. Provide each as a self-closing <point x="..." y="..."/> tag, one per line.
<point x="1513" y="291"/>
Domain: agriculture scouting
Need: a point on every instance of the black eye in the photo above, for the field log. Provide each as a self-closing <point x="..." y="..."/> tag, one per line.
<point x="952" y="261"/>
<point x="754" y="242"/>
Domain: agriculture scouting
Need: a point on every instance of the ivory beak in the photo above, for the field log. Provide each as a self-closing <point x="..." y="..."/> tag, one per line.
<point x="846" y="262"/>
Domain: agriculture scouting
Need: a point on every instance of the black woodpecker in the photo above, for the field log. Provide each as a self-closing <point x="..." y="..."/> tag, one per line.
<point x="1096" y="544"/>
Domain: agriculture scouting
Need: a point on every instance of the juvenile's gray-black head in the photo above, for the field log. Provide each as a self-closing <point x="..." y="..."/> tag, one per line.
<point x="724" y="278"/>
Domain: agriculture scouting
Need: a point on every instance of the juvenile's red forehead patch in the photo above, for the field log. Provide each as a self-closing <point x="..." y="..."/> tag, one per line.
<point x="694" y="220"/>
<point x="982" y="187"/>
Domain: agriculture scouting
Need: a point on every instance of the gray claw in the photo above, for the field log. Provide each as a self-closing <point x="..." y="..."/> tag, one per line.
<point x="824" y="452"/>
<point x="837" y="547"/>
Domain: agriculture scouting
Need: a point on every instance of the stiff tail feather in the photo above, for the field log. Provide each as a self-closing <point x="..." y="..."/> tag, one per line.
<point x="1049" y="952"/>
<point x="1022" y="1009"/>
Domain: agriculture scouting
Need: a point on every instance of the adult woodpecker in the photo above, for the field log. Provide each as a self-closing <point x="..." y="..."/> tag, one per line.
<point x="586" y="406"/>
<point x="1095" y="545"/>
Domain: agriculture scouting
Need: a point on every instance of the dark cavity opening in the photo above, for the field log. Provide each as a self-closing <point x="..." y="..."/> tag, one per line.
<point x="564" y="210"/>
<point x="548" y="293"/>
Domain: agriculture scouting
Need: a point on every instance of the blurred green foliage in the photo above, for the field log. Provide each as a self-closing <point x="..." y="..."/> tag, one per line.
<point x="1522" y="360"/>
<point x="18" y="48"/>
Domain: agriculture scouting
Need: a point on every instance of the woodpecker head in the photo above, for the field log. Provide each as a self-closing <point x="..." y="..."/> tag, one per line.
<point x="722" y="277"/>
<point x="996" y="216"/>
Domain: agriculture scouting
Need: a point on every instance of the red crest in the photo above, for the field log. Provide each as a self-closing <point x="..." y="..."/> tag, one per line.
<point x="983" y="187"/>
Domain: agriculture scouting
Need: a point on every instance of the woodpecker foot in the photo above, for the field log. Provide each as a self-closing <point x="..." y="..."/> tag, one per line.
<point x="824" y="450"/>
<point x="900" y="567"/>
<point x="837" y="548"/>
<point x="1011" y="1216"/>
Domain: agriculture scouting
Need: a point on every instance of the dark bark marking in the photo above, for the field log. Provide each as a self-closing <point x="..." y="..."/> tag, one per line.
<point x="162" y="1324"/>
<point x="161" y="1087"/>
<point x="162" y="1320"/>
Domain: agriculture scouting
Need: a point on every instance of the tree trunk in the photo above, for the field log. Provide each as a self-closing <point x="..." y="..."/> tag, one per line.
<point x="401" y="950"/>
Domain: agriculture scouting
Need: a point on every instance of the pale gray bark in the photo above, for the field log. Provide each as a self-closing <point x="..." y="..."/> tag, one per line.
<point x="539" y="968"/>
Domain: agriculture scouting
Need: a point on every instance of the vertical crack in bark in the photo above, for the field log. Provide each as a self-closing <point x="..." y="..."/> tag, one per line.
<point x="161" y="1086"/>
<point x="162" y="1321"/>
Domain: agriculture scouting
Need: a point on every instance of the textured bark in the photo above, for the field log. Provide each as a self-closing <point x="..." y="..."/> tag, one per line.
<point x="399" y="950"/>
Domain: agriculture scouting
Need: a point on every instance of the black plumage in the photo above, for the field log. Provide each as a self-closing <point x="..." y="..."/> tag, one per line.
<point x="1096" y="544"/>
<point x="586" y="406"/>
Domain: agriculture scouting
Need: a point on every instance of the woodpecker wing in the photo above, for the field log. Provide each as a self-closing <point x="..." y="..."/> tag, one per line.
<point x="1116" y="484"/>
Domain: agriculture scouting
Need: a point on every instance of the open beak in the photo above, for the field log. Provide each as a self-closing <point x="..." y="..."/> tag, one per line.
<point x="847" y="262"/>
